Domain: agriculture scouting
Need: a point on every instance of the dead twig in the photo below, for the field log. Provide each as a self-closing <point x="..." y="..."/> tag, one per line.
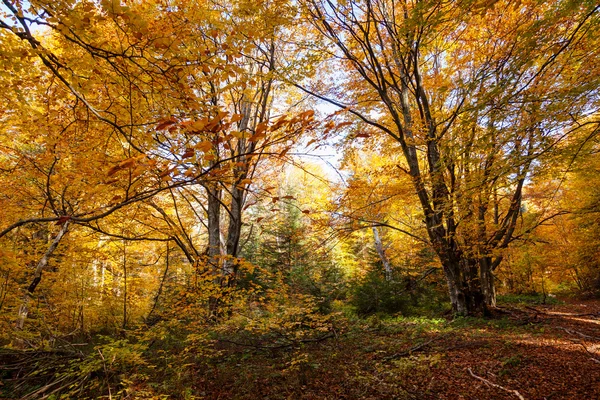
<point x="515" y="392"/>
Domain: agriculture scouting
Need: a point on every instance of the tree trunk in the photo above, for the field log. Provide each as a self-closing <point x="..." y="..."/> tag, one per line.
<point x="216" y="250"/>
<point x="37" y="277"/>
<point x="214" y="223"/>
<point x="381" y="251"/>
<point x="488" y="285"/>
<point x="471" y="286"/>
<point x="234" y="231"/>
<point x="124" y="326"/>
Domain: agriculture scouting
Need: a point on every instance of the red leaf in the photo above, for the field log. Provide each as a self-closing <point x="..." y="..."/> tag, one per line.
<point x="61" y="221"/>
<point x="114" y="170"/>
<point x="188" y="153"/>
<point x="165" y="123"/>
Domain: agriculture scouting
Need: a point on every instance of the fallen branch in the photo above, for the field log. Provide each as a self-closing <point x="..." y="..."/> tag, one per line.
<point x="413" y="349"/>
<point x="536" y="310"/>
<point x="509" y="311"/>
<point x="597" y="315"/>
<point x="515" y="392"/>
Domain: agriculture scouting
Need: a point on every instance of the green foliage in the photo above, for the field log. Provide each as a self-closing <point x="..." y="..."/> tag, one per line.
<point x="374" y="294"/>
<point x="289" y="249"/>
<point x="510" y="363"/>
<point x="163" y="359"/>
<point x="531" y="298"/>
<point x="283" y="321"/>
<point x="403" y="294"/>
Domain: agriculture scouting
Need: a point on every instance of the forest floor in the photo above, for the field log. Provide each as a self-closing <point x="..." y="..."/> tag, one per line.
<point x="525" y="352"/>
<point x="522" y="352"/>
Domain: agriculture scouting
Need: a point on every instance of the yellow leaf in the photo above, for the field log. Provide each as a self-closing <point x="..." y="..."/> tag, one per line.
<point x="204" y="146"/>
<point x="236" y="118"/>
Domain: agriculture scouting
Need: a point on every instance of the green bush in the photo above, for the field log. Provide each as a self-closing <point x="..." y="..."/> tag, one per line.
<point x="403" y="294"/>
<point x="373" y="294"/>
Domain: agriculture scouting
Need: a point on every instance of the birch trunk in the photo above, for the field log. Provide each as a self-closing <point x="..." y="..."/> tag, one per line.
<point x="381" y="251"/>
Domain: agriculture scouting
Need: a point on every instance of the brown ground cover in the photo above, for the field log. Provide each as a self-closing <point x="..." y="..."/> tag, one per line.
<point x="541" y="352"/>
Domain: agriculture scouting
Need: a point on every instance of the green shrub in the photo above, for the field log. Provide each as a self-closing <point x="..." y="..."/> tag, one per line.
<point x="374" y="294"/>
<point x="530" y="298"/>
<point x="403" y="294"/>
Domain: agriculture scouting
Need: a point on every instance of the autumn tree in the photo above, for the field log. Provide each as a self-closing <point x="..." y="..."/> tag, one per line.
<point x="160" y="113"/>
<point x="472" y="93"/>
<point x="561" y="255"/>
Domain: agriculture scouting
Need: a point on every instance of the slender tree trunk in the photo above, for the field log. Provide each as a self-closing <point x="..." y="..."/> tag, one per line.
<point x="160" y="287"/>
<point x="381" y="251"/>
<point x="102" y="278"/>
<point x="4" y="290"/>
<point x="214" y="223"/>
<point x="215" y="248"/>
<point x="234" y="230"/>
<point x="124" y="285"/>
<point x="576" y="278"/>
<point x="37" y="276"/>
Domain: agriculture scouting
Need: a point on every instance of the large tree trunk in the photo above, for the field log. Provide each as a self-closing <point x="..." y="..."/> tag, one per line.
<point x="471" y="285"/>
<point x="488" y="285"/>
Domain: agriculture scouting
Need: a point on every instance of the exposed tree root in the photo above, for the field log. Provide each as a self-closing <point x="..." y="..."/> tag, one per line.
<point x="582" y="335"/>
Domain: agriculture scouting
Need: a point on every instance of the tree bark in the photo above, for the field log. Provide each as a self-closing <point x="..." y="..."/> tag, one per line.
<point x="471" y="285"/>
<point x="214" y="223"/>
<point x="488" y="284"/>
<point x="37" y="276"/>
<point x="381" y="251"/>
